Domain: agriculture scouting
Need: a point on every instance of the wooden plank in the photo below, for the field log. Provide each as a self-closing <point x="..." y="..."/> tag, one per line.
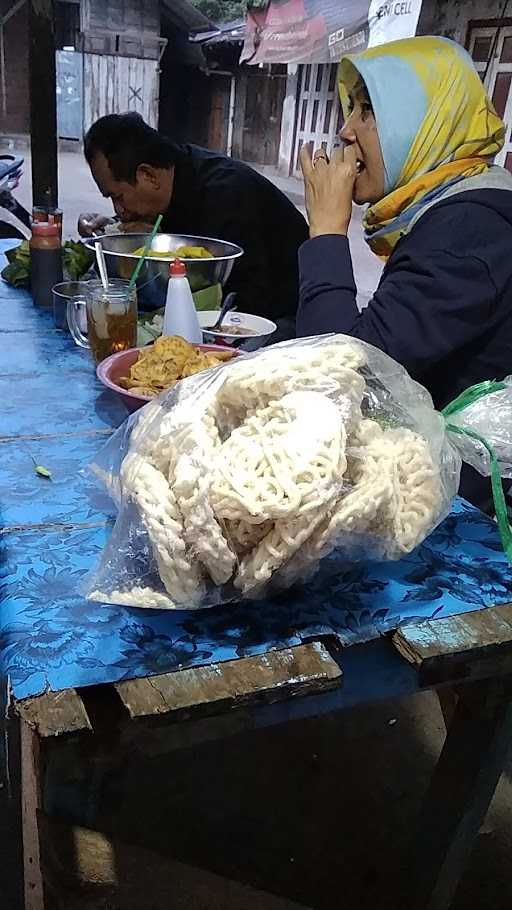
<point x="54" y="713"/>
<point x="43" y="103"/>
<point x="239" y="112"/>
<point x="84" y="870"/>
<point x="474" y="645"/>
<point x="270" y="677"/>
<point x="30" y="802"/>
<point x="108" y="81"/>
<point x="11" y="826"/>
<point x="475" y="753"/>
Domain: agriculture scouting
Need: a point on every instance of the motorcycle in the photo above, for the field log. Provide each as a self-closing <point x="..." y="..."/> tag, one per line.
<point x="11" y="171"/>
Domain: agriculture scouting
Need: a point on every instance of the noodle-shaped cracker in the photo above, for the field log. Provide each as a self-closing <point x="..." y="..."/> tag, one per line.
<point x="331" y="368"/>
<point x="244" y="536"/>
<point x="394" y="500"/>
<point x="352" y="515"/>
<point x="417" y="491"/>
<point x="282" y="462"/>
<point x="177" y="432"/>
<point x="160" y="516"/>
<point x="138" y="596"/>
<point x="276" y="548"/>
<point x="202" y="532"/>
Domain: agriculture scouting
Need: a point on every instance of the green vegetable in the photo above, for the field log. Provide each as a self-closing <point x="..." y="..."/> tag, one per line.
<point x="146" y="334"/>
<point x="20" y="253"/>
<point x="43" y="472"/>
<point x="17" y="272"/>
<point x="76" y="261"/>
<point x="40" y="469"/>
<point x="209" y="298"/>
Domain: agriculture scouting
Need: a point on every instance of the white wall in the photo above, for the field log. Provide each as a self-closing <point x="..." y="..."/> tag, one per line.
<point x="288" y="120"/>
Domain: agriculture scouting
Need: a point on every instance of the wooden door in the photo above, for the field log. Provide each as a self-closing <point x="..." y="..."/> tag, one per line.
<point x="69" y="94"/>
<point x="115" y="84"/>
<point x="491" y="49"/>
<point x="219" y="113"/>
<point x="262" y="121"/>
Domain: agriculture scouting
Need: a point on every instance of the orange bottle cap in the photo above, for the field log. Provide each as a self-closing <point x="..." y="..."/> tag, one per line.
<point x="177" y="269"/>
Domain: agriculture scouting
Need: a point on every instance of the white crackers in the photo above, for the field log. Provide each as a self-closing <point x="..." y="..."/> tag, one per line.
<point x="264" y="472"/>
<point x="281" y="462"/>
<point x="160" y="516"/>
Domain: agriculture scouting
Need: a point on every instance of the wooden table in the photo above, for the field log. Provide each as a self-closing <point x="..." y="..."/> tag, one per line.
<point x="72" y="740"/>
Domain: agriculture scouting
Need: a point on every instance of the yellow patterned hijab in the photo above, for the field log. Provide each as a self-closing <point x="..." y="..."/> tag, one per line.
<point x="435" y="123"/>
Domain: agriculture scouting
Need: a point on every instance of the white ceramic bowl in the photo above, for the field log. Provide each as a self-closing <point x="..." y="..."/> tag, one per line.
<point x="259" y="326"/>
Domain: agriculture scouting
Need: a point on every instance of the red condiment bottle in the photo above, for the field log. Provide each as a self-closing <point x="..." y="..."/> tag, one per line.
<point x="45" y="261"/>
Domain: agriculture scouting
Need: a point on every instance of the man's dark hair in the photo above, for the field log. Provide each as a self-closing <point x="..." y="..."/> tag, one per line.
<point x="127" y="141"/>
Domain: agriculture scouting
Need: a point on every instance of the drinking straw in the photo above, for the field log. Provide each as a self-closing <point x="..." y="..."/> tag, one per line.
<point x="147" y="247"/>
<point x="102" y="267"/>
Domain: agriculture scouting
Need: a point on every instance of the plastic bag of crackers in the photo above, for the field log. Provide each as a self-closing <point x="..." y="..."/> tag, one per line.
<point x="238" y="481"/>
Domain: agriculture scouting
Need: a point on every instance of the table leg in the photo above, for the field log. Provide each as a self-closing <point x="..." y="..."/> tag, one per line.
<point x="11" y="867"/>
<point x="30" y="802"/>
<point x="448" y="702"/>
<point x="461" y="789"/>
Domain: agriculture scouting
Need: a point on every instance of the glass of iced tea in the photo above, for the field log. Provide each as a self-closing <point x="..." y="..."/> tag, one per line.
<point x="111" y="318"/>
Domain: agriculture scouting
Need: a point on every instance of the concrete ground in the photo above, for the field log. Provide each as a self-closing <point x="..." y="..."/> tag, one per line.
<point x="322" y="812"/>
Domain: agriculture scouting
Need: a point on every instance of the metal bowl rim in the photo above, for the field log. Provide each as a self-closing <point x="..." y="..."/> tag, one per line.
<point x="239" y="250"/>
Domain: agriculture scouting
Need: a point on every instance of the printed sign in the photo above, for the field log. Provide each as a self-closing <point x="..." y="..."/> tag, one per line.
<point x="321" y="31"/>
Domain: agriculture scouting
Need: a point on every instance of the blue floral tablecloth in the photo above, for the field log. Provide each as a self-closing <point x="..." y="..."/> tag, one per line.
<point x="54" y="412"/>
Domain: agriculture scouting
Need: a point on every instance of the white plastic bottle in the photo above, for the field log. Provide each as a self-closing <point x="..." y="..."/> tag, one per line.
<point x="180" y="316"/>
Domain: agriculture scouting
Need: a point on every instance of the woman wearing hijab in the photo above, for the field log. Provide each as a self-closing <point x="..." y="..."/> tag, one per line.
<point x="419" y="139"/>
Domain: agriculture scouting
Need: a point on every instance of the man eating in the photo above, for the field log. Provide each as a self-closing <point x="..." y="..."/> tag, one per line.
<point x="203" y="193"/>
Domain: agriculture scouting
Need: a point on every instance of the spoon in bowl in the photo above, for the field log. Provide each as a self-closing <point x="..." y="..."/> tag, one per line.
<point x="229" y="304"/>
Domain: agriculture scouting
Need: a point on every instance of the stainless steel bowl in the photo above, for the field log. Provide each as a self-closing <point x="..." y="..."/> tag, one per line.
<point x="154" y="274"/>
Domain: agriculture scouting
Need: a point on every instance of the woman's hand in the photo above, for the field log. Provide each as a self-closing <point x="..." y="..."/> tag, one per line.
<point x="328" y="186"/>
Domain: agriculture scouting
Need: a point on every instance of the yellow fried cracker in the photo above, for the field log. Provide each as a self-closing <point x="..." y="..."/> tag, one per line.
<point x="194" y="364"/>
<point x="222" y="356"/>
<point x="152" y="369"/>
<point x="160" y="374"/>
<point x="174" y="348"/>
<point x="140" y="372"/>
<point x="128" y="383"/>
<point x="160" y="365"/>
<point x="142" y="390"/>
<point x="213" y="360"/>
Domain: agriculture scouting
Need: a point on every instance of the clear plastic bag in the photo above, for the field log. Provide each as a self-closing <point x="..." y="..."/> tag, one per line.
<point x="490" y="416"/>
<point x="240" y="479"/>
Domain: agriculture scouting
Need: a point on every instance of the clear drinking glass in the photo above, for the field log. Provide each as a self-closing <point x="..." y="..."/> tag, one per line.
<point x="111" y="318"/>
<point x="62" y="294"/>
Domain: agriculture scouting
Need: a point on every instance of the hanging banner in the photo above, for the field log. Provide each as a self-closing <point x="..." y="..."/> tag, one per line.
<point x="321" y="31"/>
